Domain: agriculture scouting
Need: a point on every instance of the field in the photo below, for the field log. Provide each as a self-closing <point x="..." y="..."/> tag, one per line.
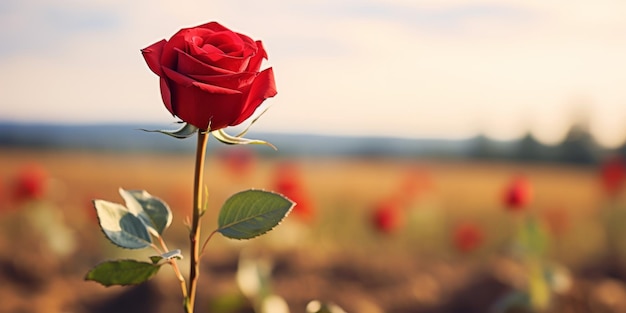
<point x="337" y="247"/>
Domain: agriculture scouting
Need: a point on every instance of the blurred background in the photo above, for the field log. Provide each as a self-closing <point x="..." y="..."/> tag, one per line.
<point x="446" y="156"/>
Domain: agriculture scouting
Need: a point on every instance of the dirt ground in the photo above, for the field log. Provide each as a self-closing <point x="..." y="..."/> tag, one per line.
<point x="335" y="253"/>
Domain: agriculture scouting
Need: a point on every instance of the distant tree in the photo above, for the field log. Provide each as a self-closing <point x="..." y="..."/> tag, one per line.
<point x="622" y="149"/>
<point x="530" y="149"/>
<point x="578" y="147"/>
<point x="481" y="148"/>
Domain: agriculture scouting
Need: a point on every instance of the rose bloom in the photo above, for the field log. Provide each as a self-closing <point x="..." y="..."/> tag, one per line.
<point x="209" y="75"/>
<point x="613" y="175"/>
<point x="467" y="237"/>
<point x="387" y="216"/>
<point x="517" y="194"/>
<point x="239" y="161"/>
<point x="288" y="182"/>
<point x="30" y="183"/>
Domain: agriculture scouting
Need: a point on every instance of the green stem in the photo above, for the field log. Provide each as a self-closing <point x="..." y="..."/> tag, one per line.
<point x="206" y="242"/>
<point x="194" y="234"/>
<point x="174" y="265"/>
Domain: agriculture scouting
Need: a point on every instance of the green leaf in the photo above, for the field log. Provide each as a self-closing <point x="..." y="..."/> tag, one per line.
<point x="222" y="136"/>
<point x="251" y="213"/>
<point x="156" y="259"/>
<point x="120" y="226"/>
<point x="122" y="272"/>
<point x="184" y="132"/>
<point x="174" y="254"/>
<point x="152" y="211"/>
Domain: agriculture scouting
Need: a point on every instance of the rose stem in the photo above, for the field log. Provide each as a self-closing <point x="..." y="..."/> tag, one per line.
<point x="174" y="264"/>
<point x="194" y="235"/>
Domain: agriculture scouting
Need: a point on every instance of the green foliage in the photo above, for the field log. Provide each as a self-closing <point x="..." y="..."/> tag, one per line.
<point x="251" y="213"/>
<point x="122" y="227"/>
<point x="533" y="238"/>
<point x="152" y="211"/>
<point x="130" y="226"/>
<point x="122" y="272"/>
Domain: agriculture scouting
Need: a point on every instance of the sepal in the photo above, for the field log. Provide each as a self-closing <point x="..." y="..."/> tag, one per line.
<point x="224" y="137"/>
<point x="184" y="132"/>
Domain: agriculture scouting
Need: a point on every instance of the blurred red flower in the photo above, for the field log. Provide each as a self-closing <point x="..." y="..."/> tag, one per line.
<point x="613" y="174"/>
<point x="30" y="183"/>
<point x="467" y="237"/>
<point x="518" y="194"/>
<point x="289" y="183"/>
<point x="387" y="216"/>
<point x="239" y="161"/>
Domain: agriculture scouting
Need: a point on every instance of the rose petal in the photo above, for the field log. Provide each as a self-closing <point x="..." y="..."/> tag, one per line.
<point x="234" y="81"/>
<point x="230" y="56"/>
<point x="166" y="95"/>
<point x="186" y="81"/>
<point x="212" y="89"/>
<point x="261" y="49"/>
<point x="188" y="64"/>
<point x="152" y="55"/>
<point x="202" y="108"/>
<point x="225" y="41"/>
<point x="230" y="63"/>
<point x="262" y="88"/>
<point x="198" y="42"/>
<point x="208" y="50"/>
<point x="257" y="59"/>
<point x="177" y="78"/>
<point x="169" y="57"/>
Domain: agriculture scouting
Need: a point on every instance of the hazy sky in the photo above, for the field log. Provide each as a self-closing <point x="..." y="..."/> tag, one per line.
<point x="413" y="68"/>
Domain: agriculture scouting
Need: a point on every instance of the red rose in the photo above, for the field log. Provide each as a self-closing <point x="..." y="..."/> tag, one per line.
<point x="387" y="216"/>
<point x="613" y="174"/>
<point x="467" y="237"/>
<point x="30" y="183"/>
<point x="239" y="161"/>
<point x="210" y="75"/>
<point x="288" y="182"/>
<point x="518" y="194"/>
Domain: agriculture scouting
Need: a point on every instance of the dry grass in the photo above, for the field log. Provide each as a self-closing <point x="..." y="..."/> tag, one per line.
<point x="344" y="191"/>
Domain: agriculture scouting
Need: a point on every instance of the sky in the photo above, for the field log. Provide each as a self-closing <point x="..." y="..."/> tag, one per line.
<point x="410" y="68"/>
